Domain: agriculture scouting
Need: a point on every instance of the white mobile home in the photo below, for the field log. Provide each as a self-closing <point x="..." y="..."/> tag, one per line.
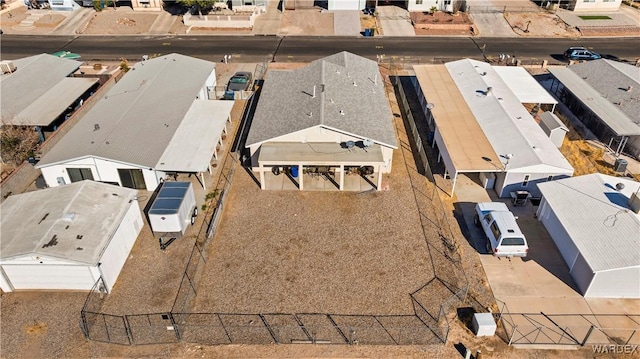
<point x="156" y="120"/>
<point x="480" y="125"/>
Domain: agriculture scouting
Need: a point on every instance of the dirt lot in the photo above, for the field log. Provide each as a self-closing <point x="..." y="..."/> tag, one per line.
<point x="539" y="24"/>
<point x="122" y="21"/>
<point x="310" y="22"/>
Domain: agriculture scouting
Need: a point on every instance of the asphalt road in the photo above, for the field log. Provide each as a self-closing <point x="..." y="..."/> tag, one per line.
<point x="304" y="49"/>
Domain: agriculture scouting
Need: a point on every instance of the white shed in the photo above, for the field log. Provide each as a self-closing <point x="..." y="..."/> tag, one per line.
<point x="594" y="222"/>
<point x="67" y="237"/>
<point x="553" y="127"/>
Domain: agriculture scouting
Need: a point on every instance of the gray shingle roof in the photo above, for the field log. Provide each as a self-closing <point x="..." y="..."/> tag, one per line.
<point x="34" y="76"/>
<point x="597" y="218"/>
<point x="602" y="86"/>
<point x="135" y="122"/>
<point x="349" y="97"/>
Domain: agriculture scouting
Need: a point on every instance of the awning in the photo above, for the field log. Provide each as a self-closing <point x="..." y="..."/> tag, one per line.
<point x="292" y="153"/>
<point x="53" y="103"/>
<point x="523" y="85"/>
<point x="195" y="140"/>
<point x="466" y="143"/>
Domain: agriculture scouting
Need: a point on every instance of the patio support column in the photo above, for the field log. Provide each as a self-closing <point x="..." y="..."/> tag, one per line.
<point x="341" y="177"/>
<point x="204" y="187"/>
<point x="453" y="186"/>
<point x="210" y="170"/>
<point x="379" y="177"/>
<point x="553" y="109"/>
<point x="439" y="156"/>
<point x="300" y="181"/>
<point x="261" y="171"/>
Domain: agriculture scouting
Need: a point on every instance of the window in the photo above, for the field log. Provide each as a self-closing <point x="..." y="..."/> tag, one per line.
<point x="512" y="242"/>
<point x="132" y="178"/>
<point x="608" y="0"/>
<point x="589" y="1"/>
<point x="79" y="174"/>
<point x="487" y="218"/>
<point x="525" y="182"/>
<point x="418" y="2"/>
<point x="495" y="230"/>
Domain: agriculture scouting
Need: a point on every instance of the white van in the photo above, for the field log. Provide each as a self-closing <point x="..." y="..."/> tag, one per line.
<point x="504" y="236"/>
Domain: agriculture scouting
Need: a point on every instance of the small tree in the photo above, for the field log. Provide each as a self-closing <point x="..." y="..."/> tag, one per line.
<point x="18" y="143"/>
<point x="433" y="9"/>
<point x="199" y="4"/>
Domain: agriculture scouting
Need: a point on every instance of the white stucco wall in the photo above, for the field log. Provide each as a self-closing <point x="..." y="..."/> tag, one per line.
<point x="101" y="169"/>
<point x="346" y="4"/>
<point x="121" y="243"/>
<point x="320" y="134"/>
<point x="619" y="283"/>
<point x="596" y="5"/>
<point x="441" y="5"/>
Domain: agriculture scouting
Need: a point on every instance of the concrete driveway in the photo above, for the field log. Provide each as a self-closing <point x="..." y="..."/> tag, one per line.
<point x="346" y="22"/>
<point x="488" y="16"/>
<point x="395" y="21"/>
<point x="539" y="283"/>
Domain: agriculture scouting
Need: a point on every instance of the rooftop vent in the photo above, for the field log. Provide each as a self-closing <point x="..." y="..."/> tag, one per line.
<point x="7" y="67"/>
<point x="96" y="127"/>
<point x="68" y="217"/>
<point x="489" y="90"/>
<point x="342" y="112"/>
<point x="629" y="88"/>
<point x="619" y="186"/>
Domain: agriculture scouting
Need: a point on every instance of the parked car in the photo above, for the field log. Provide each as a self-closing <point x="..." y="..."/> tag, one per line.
<point x="240" y="81"/>
<point x="504" y="238"/>
<point x="581" y="53"/>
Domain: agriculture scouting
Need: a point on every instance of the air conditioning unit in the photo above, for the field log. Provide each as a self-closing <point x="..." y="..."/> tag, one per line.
<point x="7" y="66"/>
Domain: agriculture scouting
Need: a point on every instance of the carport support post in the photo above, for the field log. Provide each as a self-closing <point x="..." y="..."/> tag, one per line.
<point x="300" y="180"/>
<point x="341" y="177"/>
<point x="379" y="177"/>
<point x="453" y="186"/>
<point x="204" y="186"/>
<point x="261" y="171"/>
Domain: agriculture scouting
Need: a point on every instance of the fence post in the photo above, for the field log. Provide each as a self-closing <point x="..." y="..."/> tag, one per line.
<point x="127" y="329"/>
<point x="175" y="326"/>
<point x="584" y="341"/>
<point x="513" y="333"/>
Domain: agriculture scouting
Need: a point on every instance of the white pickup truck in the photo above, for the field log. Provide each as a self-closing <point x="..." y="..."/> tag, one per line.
<point x="504" y="236"/>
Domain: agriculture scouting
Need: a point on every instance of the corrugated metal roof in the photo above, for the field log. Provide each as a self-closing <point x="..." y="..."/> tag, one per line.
<point x="194" y="143"/>
<point x="89" y="209"/>
<point x="34" y="76"/>
<point x="136" y="121"/>
<point x="597" y="218"/>
<point x="504" y="120"/>
<point x="466" y="143"/>
<point x="523" y="85"/>
<point x="349" y="97"/>
<point x="54" y="102"/>
<point x="602" y="86"/>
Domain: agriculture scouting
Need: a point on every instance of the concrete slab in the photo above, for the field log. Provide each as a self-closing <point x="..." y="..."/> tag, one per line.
<point x="269" y="22"/>
<point x="492" y="24"/>
<point x="395" y="21"/>
<point x="346" y="22"/>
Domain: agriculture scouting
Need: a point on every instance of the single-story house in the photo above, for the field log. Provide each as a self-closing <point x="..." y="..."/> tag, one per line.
<point x="480" y="125"/>
<point x="38" y="91"/>
<point x="63" y="5"/>
<point x="157" y="120"/>
<point x="68" y="237"/>
<point x="326" y="120"/>
<point x="410" y="5"/>
<point x="603" y="94"/>
<point x="594" y="222"/>
<point x="593" y="5"/>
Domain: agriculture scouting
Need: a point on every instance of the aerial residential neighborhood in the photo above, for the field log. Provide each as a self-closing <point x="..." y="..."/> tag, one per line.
<point x="341" y="178"/>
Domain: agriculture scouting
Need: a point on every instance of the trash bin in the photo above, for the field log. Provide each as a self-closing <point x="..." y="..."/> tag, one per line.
<point x="367" y="32"/>
<point x="294" y="171"/>
<point x="620" y="165"/>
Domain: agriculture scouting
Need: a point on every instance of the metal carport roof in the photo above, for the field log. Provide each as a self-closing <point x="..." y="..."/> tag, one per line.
<point x="466" y="143"/>
<point x="54" y="102"/>
<point x="523" y="85"/>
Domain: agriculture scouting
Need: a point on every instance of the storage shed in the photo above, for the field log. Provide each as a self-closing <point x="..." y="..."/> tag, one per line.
<point x="174" y="208"/>
<point x="594" y="222"/>
<point x="67" y="237"/>
<point x="553" y="127"/>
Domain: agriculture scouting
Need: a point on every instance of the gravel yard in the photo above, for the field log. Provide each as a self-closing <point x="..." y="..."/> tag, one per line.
<point x="122" y="21"/>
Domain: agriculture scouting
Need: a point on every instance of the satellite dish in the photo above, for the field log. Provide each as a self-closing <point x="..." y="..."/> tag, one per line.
<point x="619" y="186"/>
<point x="350" y="144"/>
<point x="275" y="170"/>
<point x="367" y="142"/>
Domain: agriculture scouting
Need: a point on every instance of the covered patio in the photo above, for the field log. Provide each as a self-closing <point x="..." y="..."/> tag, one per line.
<point x="320" y="167"/>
